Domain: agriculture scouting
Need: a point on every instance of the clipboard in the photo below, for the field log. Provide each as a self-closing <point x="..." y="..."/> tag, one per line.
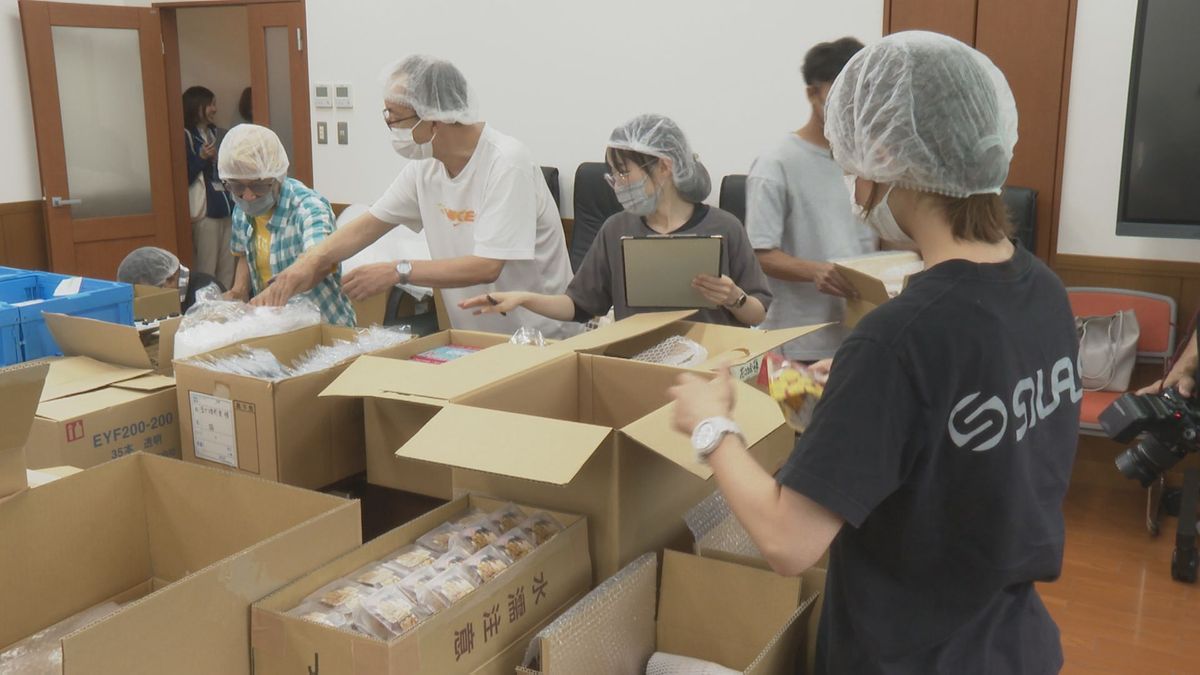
<point x="659" y="269"/>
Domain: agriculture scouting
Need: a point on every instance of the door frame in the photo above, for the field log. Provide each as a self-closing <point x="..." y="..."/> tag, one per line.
<point x="174" y="93"/>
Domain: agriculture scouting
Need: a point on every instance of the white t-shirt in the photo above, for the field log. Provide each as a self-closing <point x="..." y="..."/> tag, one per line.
<point x="498" y="207"/>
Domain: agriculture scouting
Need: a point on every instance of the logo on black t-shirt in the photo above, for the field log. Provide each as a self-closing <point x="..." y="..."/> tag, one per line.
<point x="982" y="426"/>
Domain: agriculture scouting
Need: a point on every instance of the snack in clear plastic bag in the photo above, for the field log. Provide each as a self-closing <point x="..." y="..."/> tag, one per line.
<point x="792" y="386"/>
<point x="456" y="556"/>
<point x="342" y="595"/>
<point x="543" y="525"/>
<point x="389" y="613"/>
<point x="517" y="543"/>
<point x="438" y="539"/>
<point x="319" y="613"/>
<point x="528" y="336"/>
<point x="378" y="575"/>
<point x="487" y="564"/>
<point x="478" y="531"/>
<point x="447" y="588"/>
<point x="410" y="559"/>
<point x="507" y="517"/>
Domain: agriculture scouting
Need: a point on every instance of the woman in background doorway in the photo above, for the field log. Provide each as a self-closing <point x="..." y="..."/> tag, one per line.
<point x="211" y="233"/>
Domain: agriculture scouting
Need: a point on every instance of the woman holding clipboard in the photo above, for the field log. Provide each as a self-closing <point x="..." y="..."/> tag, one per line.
<point x="661" y="184"/>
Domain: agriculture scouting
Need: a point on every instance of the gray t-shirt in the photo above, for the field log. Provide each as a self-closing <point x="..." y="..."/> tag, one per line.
<point x="796" y="202"/>
<point x="600" y="282"/>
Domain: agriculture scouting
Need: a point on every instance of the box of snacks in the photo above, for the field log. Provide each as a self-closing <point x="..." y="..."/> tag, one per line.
<point x="461" y="589"/>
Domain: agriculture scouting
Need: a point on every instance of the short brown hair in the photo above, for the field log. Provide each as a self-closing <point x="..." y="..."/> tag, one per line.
<point x="981" y="217"/>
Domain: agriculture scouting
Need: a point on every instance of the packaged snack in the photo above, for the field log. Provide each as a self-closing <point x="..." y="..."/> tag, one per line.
<point x="378" y="575"/>
<point x="438" y="539"/>
<point x="444" y="353"/>
<point x="543" y="525"/>
<point x="389" y="613"/>
<point x="342" y="595"/>
<point x="447" y="588"/>
<point x="413" y="585"/>
<point x="319" y="613"/>
<point x="456" y="556"/>
<point x="487" y="564"/>
<point x="478" y="532"/>
<point x="517" y="543"/>
<point x="410" y="559"/>
<point x="793" y="387"/>
<point x="507" y="517"/>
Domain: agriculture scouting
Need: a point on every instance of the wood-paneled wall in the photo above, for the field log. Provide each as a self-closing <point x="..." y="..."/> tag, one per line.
<point x="1177" y="280"/>
<point x="23" y="236"/>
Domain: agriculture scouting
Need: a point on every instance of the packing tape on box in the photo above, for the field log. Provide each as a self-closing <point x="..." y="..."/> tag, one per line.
<point x="371" y="657"/>
<point x="611" y="630"/>
<point x="716" y="528"/>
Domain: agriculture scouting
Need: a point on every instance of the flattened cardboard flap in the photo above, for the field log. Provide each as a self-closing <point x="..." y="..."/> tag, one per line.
<point x="152" y="302"/>
<point x="77" y="374"/>
<point x="101" y="340"/>
<point x="697" y="595"/>
<point x="638" y="324"/>
<point x="506" y="444"/>
<point x="21" y="388"/>
<point x="862" y="272"/>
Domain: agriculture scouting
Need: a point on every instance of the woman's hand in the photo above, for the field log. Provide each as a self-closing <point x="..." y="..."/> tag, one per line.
<point x="719" y="290"/>
<point x="820" y="370"/>
<point x="492" y="303"/>
<point x="697" y="399"/>
<point x="208" y="151"/>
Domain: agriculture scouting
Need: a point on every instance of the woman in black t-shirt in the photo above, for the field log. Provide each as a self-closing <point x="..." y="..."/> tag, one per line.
<point x="938" y="458"/>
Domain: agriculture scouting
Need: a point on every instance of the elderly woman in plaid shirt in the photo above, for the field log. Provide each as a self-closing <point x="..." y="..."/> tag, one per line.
<point x="276" y="219"/>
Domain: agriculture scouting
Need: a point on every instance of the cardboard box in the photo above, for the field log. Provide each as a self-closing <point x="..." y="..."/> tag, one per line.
<point x="393" y="413"/>
<point x="102" y="400"/>
<point x="373" y="310"/>
<point x="50" y="474"/>
<point x="871" y="275"/>
<point x="280" y="430"/>
<point x="152" y="302"/>
<point x="742" y="348"/>
<point x="574" y="432"/>
<point x="21" y="387"/>
<point x="186" y="549"/>
<point x="484" y="632"/>
<point x="739" y="617"/>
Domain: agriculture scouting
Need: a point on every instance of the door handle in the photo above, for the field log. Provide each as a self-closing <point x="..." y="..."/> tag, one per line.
<point x="59" y="201"/>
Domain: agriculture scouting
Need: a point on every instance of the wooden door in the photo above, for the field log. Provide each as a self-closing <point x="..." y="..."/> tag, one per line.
<point x="279" y="79"/>
<point x="96" y="81"/>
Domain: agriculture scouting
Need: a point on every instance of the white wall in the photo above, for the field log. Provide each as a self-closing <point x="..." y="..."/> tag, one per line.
<point x="1100" y="69"/>
<point x="559" y="76"/>
<point x="214" y="52"/>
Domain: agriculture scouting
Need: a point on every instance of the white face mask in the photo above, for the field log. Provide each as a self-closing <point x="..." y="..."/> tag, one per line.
<point x="405" y="146"/>
<point x="880" y="218"/>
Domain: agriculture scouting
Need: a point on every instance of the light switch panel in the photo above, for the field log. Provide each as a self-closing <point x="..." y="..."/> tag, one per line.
<point x="322" y="133"/>
<point x="343" y="133"/>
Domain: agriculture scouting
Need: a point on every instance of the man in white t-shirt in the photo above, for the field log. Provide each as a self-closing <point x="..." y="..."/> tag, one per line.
<point x="481" y="200"/>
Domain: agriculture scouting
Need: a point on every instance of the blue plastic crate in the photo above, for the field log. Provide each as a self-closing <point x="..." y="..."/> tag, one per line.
<point x="103" y="300"/>
<point x="10" y="335"/>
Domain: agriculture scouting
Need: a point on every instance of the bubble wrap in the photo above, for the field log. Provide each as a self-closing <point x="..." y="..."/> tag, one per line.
<point x="262" y="364"/>
<point x="611" y="630"/>
<point x="673" y="664"/>
<point x="716" y="528"/>
<point x="675" y="351"/>
<point x="216" y="323"/>
<point x="41" y="653"/>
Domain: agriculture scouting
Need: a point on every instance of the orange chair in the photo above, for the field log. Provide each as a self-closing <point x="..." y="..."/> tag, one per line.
<point x="1156" y="340"/>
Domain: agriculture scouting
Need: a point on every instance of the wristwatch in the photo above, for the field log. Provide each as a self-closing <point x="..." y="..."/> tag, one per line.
<point x="708" y="434"/>
<point x="404" y="269"/>
<point x="739" y="302"/>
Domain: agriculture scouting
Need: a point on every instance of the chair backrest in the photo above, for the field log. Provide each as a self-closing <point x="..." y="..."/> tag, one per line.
<point x="551" y="175"/>
<point x="1022" y="209"/>
<point x="733" y="196"/>
<point x="594" y="203"/>
<point x="1155" y="314"/>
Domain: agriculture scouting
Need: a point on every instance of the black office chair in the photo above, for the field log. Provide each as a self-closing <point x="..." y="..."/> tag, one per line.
<point x="594" y="203"/>
<point x="551" y="175"/>
<point x="1022" y="210"/>
<point x="733" y="196"/>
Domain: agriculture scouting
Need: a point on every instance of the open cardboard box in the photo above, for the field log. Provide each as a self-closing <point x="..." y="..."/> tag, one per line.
<point x="484" y="632"/>
<point x="277" y="430"/>
<point x="573" y="432"/>
<point x="742" y="348"/>
<point x="21" y="388"/>
<point x="184" y="548"/>
<point x="152" y="302"/>
<point x="871" y="275"/>
<point x="102" y="400"/>
<point x="742" y="618"/>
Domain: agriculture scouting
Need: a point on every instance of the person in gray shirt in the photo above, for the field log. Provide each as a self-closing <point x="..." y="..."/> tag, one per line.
<point x="660" y="183"/>
<point x="798" y="216"/>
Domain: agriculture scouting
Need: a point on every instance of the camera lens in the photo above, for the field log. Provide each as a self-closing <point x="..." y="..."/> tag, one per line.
<point x="1146" y="460"/>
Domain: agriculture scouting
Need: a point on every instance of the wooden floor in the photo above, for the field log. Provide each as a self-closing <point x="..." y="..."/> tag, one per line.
<point x="1117" y="607"/>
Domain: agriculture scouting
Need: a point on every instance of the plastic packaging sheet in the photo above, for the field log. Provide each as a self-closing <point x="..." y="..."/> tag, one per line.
<point x="610" y="631"/>
<point x="528" y="336"/>
<point x="41" y="653"/>
<point x="213" y="323"/>
<point x="715" y="528"/>
<point x="675" y="351"/>
<point x="673" y="664"/>
<point x="262" y="364"/>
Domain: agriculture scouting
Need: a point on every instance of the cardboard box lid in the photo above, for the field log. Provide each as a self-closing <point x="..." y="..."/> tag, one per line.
<point x="72" y="407"/>
<point x="862" y="272"/>
<point x="153" y="302"/>
<point x="539" y="449"/>
<point x="76" y="374"/>
<point x="638" y="324"/>
<point x="21" y="388"/>
<point x="101" y="340"/>
<point x="401" y="379"/>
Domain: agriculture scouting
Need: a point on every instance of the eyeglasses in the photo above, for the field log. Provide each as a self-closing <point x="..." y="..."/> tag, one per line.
<point x="392" y="121"/>
<point x="259" y="188"/>
<point x="620" y="176"/>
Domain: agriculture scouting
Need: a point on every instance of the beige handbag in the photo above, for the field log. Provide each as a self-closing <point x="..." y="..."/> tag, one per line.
<point x="1107" y="350"/>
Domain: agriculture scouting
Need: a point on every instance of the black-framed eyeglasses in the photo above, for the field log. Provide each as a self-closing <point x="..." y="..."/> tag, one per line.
<point x="258" y="187"/>
<point x="392" y="121"/>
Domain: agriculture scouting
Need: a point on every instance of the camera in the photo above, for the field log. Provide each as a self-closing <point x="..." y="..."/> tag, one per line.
<point x="1171" y="424"/>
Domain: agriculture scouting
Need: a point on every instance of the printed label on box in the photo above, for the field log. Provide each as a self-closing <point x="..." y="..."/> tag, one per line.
<point x="213" y="429"/>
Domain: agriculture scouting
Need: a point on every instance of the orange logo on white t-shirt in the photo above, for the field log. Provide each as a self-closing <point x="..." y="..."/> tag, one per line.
<point x="456" y="217"/>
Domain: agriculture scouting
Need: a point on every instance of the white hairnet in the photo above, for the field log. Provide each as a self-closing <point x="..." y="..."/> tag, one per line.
<point x="659" y="136"/>
<point x="925" y="112"/>
<point x="147" y="265"/>
<point x="435" y="89"/>
<point x="251" y="152"/>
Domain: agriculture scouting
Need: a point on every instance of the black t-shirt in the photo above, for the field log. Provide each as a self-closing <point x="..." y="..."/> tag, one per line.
<point x="196" y="281"/>
<point x="945" y="439"/>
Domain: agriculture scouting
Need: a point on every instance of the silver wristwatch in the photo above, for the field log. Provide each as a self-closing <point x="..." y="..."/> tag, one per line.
<point x="404" y="269"/>
<point x="708" y="434"/>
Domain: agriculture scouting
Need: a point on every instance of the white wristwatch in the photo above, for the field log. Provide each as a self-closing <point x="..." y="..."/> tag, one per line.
<point x="404" y="269"/>
<point x="708" y="434"/>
